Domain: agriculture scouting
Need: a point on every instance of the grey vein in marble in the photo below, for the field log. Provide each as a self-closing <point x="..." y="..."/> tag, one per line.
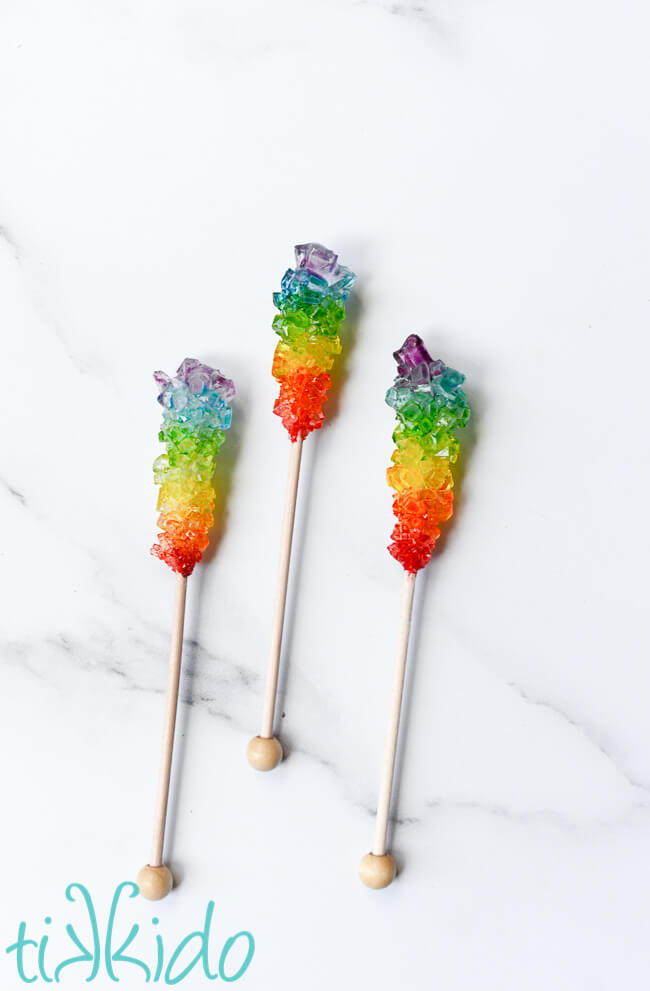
<point x="580" y="728"/>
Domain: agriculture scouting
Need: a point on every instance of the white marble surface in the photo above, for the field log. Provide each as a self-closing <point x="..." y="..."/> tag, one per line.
<point x="483" y="167"/>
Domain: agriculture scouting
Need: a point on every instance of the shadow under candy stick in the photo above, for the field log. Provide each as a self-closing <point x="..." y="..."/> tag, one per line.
<point x="341" y="370"/>
<point x="196" y="414"/>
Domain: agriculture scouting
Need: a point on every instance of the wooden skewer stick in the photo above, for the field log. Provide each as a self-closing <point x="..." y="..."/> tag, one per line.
<point x="264" y="752"/>
<point x="377" y="868"/>
<point x="155" y="880"/>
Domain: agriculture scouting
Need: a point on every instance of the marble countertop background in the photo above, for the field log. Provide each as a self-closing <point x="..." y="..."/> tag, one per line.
<point x="483" y="167"/>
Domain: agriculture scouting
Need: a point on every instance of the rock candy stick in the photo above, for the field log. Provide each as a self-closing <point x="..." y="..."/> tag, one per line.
<point x="196" y="414"/>
<point x="430" y="407"/>
<point x="311" y="302"/>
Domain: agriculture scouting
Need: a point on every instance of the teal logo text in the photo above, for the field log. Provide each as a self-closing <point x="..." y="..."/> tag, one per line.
<point x="136" y="953"/>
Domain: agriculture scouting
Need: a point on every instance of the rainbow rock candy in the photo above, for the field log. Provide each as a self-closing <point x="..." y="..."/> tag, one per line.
<point x="311" y="304"/>
<point x="196" y="414"/>
<point x="430" y="407"/>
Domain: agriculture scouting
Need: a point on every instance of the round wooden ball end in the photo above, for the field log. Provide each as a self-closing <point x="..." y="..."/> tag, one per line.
<point x="155" y="882"/>
<point x="264" y="753"/>
<point x="377" y="871"/>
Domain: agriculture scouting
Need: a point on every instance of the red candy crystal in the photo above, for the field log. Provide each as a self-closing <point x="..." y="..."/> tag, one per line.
<point x="301" y="399"/>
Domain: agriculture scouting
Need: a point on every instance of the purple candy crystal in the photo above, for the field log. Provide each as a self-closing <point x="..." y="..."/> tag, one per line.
<point x="317" y="272"/>
<point x="317" y="259"/>
<point x="194" y="377"/>
<point x="162" y="381"/>
<point x="224" y="386"/>
<point x="198" y="377"/>
<point x="411" y="354"/>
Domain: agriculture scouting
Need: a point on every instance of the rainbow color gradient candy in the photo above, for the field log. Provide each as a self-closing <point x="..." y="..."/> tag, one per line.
<point x="196" y="414"/>
<point x="430" y="407"/>
<point x="311" y="304"/>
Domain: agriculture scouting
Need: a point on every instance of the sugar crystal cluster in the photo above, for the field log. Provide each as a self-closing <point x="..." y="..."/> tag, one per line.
<point x="196" y="414"/>
<point x="311" y="302"/>
<point x="430" y="406"/>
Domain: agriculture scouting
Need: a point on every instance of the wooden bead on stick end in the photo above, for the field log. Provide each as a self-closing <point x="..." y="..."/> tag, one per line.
<point x="264" y="753"/>
<point x="377" y="870"/>
<point x="155" y="882"/>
